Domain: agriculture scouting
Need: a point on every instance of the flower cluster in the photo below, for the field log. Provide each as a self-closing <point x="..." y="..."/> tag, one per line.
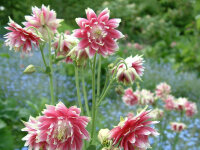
<point x="162" y="90"/>
<point x="58" y="128"/>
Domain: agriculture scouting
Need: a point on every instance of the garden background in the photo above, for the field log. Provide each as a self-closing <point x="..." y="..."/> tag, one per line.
<point x="165" y="32"/>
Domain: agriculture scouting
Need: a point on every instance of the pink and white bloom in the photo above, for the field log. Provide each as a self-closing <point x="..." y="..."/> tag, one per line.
<point x="133" y="69"/>
<point x="136" y="63"/>
<point x="20" y="38"/>
<point x="129" y="98"/>
<point x="162" y="90"/>
<point x="43" y="18"/>
<point x="32" y="137"/>
<point x="170" y="103"/>
<point x="98" y="33"/>
<point x="62" y="127"/>
<point x="132" y="133"/>
<point x="145" y="97"/>
<point x="190" y="109"/>
<point x="63" y="43"/>
<point x="180" y="103"/>
<point x="177" y="126"/>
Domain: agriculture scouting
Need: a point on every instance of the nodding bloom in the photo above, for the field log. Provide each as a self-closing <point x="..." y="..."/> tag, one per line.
<point x="98" y="33"/>
<point x="170" y="103"/>
<point x="177" y="126"/>
<point x="162" y="90"/>
<point x="133" y="68"/>
<point x="43" y="18"/>
<point x="133" y="132"/>
<point x="32" y="137"/>
<point x="63" y="43"/>
<point x="190" y="109"/>
<point x="145" y="97"/>
<point x="156" y="113"/>
<point x="180" y="103"/>
<point x="129" y="98"/>
<point x="20" y="38"/>
<point x="62" y="127"/>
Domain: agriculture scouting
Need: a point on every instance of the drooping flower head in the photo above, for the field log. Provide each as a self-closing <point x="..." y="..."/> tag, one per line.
<point x="43" y="18"/>
<point x="133" y="68"/>
<point x="32" y="137"/>
<point x="145" y="97"/>
<point x="98" y="33"/>
<point x="132" y="133"/>
<point x="162" y="90"/>
<point x="20" y="38"/>
<point x="62" y="127"/>
<point x="177" y="126"/>
<point x="190" y="108"/>
<point x="180" y="103"/>
<point x="136" y="63"/>
<point x="170" y="103"/>
<point x="129" y="98"/>
<point x="63" y="43"/>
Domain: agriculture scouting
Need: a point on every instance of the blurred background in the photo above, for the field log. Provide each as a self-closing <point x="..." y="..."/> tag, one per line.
<point x="165" y="32"/>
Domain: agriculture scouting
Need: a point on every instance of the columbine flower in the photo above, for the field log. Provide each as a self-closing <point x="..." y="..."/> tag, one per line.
<point x="180" y="103"/>
<point x="98" y="33"/>
<point x="162" y="90"/>
<point x="126" y="76"/>
<point x="133" y="68"/>
<point x="156" y="113"/>
<point x="32" y="137"/>
<point x="169" y="103"/>
<point x="177" y="126"/>
<point x="62" y="127"/>
<point x="20" y="39"/>
<point x="133" y="133"/>
<point x="145" y="97"/>
<point x="43" y="18"/>
<point x="190" y="108"/>
<point x="63" y="43"/>
<point x="129" y="97"/>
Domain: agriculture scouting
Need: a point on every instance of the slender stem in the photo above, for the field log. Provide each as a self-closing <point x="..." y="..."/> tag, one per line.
<point x="51" y="70"/>
<point x="99" y="77"/>
<point x="78" y="88"/>
<point x="85" y="95"/>
<point x="43" y="58"/>
<point x="93" y="100"/>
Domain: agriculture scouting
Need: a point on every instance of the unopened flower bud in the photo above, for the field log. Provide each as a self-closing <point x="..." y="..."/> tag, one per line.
<point x="103" y="136"/>
<point x="29" y="69"/>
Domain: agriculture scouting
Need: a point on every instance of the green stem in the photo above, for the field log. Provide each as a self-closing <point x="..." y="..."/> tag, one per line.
<point x="51" y="70"/>
<point x="43" y="58"/>
<point x="78" y="88"/>
<point x="99" y="77"/>
<point x="93" y="100"/>
<point x="85" y="95"/>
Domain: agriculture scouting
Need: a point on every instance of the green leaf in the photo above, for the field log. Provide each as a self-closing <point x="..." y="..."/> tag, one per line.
<point x="91" y="147"/>
<point x="4" y="55"/>
<point x="2" y="124"/>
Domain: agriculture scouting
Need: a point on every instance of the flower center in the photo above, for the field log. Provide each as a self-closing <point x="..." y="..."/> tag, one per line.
<point x="97" y="32"/>
<point x="61" y="131"/>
